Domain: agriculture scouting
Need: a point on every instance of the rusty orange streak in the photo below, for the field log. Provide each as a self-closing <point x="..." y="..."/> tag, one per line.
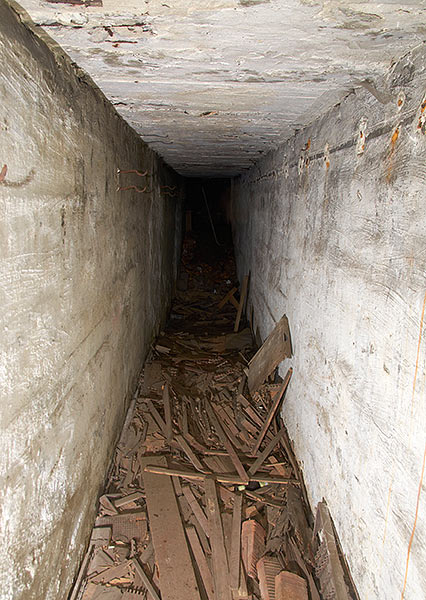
<point x="3" y="173"/>
<point x="424" y="454"/>
<point x="415" y="524"/>
<point x="418" y="353"/>
<point x="394" y="137"/>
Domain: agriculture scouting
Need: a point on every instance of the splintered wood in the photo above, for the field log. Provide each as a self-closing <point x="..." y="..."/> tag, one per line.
<point x="204" y="499"/>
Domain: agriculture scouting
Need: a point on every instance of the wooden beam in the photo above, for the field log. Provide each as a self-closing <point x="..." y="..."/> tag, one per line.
<point x="196" y="509"/>
<point x="177" y="577"/>
<point x="220" y="477"/>
<point x="217" y="542"/>
<point x="272" y="411"/>
<point x="145" y="579"/>
<point x="157" y="417"/>
<point x="200" y="559"/>
<point x="190" y="453"/>
<point x="235" y="560"/>
<point x="229" y="298"/>
<point x="265" y="453"/>
<point x="227" y="444"/>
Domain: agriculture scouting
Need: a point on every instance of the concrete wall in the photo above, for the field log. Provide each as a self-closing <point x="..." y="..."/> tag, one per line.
<point x="332" y="227"/>
<point x="85" y="280"/>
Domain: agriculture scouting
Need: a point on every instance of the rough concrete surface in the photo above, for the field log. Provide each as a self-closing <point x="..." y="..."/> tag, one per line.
<point x="86" y="275"/>
<point x="214" y="84"/>
<point x="332" y="228"/>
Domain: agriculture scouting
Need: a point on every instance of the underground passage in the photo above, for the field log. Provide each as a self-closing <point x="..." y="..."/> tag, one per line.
<point x="213" y="291"/>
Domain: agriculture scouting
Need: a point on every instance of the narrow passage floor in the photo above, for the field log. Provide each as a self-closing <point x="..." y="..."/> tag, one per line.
<point x="205" y="499"/>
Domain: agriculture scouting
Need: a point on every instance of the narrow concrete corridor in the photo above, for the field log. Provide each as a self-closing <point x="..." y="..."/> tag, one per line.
<point x="194" y="417"/>
<point x="297" y="131"/>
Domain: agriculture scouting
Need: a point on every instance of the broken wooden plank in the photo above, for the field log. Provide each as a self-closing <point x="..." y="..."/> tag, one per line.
<point x="227" y="444"/>
<point x="275" y="349"/>
<point x="196" y="509"/>
<point x="110" y="573"/>
<point x="168" y="536"/>
<point x="190" y="453"/>
<point x="229" y="297"/>
<point x="107" y="505"/>
<point x="157" y="417"/>
<point x="146" y="581"/>
<point x="265" y="453"/>
<point x="235" y="559"/>
<point x="167" y="413"/>
<point x="275" y="404"/>
<point x="120" y="502"/>
<point x="220" y="477"/>
<point x="200" y="559"/>
<point x="263" y="499"/>
<point x="219" y="559"/>
<point x="81" y="573"/>
<point x="241" y="303"/>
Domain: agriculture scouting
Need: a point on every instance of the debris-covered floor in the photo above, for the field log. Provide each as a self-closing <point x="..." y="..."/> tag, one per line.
<point x="205" y="498"/>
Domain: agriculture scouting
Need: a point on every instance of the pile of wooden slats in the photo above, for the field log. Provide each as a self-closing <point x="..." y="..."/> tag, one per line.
<point x="205" y="499"/>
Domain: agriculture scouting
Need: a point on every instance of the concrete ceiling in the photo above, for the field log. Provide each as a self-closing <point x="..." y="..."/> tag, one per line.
<point x="212" y="84"/>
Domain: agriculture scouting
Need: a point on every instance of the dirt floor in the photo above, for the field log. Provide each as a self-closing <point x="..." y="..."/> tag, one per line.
<point x="205" y="499"/>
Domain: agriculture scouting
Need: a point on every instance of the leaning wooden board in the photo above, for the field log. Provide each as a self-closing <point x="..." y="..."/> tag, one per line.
<point x="177" y="577"/>
<point x="276" y="348"/>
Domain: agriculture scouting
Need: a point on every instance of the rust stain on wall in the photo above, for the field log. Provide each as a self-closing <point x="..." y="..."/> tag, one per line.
<point x="394" y="140"/>
<point x="421" y="125"/>
<point x="3" y="173"/>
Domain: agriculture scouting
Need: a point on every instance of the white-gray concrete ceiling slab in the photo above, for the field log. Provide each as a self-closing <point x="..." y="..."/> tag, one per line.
<point x="211" y="85"/>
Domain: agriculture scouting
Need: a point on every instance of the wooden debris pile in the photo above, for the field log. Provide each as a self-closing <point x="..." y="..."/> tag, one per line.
<point x="205" y="499"/>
